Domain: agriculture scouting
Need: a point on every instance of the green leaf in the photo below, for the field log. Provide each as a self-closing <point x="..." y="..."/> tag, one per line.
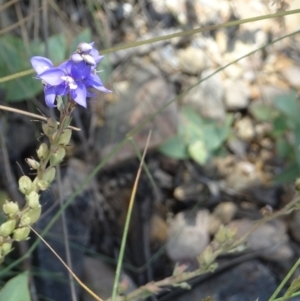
<point x="288" y="175"/>
<point x="198" y="152"/>
<point x="16" y="289"/>
<point x="262" y="112"/>
<point x="283" y="148"/>
<point x="296" y="144"/>
<point x="175" y="147"/>
<point x="14" y="57"/>
<point x="57" y="48"/>
<point x="288" y="104"/>
<point x="280" y="125"/>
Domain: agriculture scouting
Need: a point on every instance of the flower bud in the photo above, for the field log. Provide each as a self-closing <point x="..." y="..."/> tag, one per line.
<point x="33" y="199"/>
<point x="11" y="208"/>
<point x="42" y="184"/>
<point x="89" y="59"/>
<point x="25" y="185"/>
<point x="6" y="248"/>
<point x="48" y="130"/>
<point x="84" y="47"/>
<point x="8" y="227"/>
<point x="221" y="235"/>
<point x="58" y="156"/>
<point x="65" y="137"/>
<point x="31" y="216"/>
<point x="297" y="184"/>
<point x="32" y="163"/>
<point x="42" y="151"/>
<point x="49" y="174"/>
<point x="52" y="123"/>
<point x="21" y="233"/>
<point x="76" y="58"/>
<point x="207" y="257"/>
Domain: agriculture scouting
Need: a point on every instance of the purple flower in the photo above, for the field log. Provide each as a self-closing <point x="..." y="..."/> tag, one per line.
<point x="72" y="77"/>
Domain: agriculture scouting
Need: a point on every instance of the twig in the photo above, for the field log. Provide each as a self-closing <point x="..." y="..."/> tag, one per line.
<point x="127" y="222"/>
<point x="5" y="108"/>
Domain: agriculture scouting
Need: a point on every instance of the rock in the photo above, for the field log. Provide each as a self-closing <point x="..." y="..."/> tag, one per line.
<point x="292" y="75"/>
<point x="245" y="129"/>
<point x="243" y="174"/>
<point x="141" y="95"/>
<point x="192" y="60"/>
<point x="237" y="95"/>
<point x="158" y="230"/>
<point x="225" y="211"/>
<point x="270" y="239"/>
<point x="207" y="97"/>
<point x="188" y="236"/>
<point x="294" y="225"/>
<point x="237" y="146"/>
<point x="248" y="281"/>
<point x="221" y="215"/>
<point x="213" y="224"/>
<point x="99" y="276"/>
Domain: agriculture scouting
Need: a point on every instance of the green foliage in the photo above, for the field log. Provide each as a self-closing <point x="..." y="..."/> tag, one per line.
<point x="198" y="138"/>
<point x="284" y="117"/>
<point x="15" y="56"/>
<point x="16" y="289"/>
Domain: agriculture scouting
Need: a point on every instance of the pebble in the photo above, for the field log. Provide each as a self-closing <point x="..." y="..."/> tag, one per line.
<point x="294" y="225"/>
<point x="245" y="129"/>
<point x="237" y="95"/>
<point x="192" y="60"/>
<point x="99" y="276"/>
<point x="207" y="97"/>
<point x="270" y="239"/>
<point x="292" y="76"/>
<point x="225" y="211"/>
<point x="188" y="236"/>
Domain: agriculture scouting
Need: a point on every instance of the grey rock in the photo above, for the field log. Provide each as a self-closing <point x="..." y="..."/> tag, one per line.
<point x="294" y="225"/>
<point x="270" y="239"/>
<point x="99" y="276"/>
<point x="292" y="75"/>
<point x="192" y="60"/>
<point x="188" y="236"/>
<point x="237" y="95"/>
<point x="207" y="97"/>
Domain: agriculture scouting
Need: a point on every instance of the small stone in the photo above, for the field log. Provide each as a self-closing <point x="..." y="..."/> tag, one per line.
<point x="292" y="75"/>
<point x="192" y="60"/>
<point x="207" y="97"/>
<point x="99" y="276"/>
<point x="294" y="225"/>
<point x="214" y="224"/>
<point x="245" y="129"/>
<point x="225" y="211"/>
<point x="188" y="236"/>
<point x="270" y="239"/>
<point x="237" y="95"/>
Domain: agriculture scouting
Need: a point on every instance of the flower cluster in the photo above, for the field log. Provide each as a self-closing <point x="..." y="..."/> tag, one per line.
<point x="72" y="77"/>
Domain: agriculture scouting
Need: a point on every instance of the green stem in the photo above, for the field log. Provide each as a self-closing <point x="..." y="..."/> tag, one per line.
<point x="53" y="144"/>
<point x="284" y="281"/>
<point x="126" y="228"/>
